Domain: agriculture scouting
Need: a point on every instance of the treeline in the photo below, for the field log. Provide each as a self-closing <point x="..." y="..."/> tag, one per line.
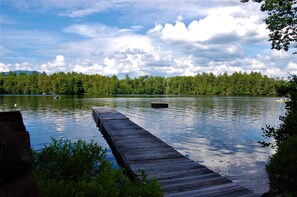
<point x="238" y="83"/>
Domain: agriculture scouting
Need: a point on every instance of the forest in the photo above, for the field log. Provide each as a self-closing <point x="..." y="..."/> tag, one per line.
<point x="238" y="83"/>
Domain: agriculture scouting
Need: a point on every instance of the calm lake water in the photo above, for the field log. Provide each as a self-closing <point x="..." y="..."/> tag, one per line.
<point x="218" y="132"/>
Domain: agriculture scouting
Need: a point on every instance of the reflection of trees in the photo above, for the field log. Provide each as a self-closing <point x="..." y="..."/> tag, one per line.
<point x="37" y="103"/>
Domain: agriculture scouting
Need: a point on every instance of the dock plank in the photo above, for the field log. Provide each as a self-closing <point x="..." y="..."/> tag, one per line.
<point x="137" y="149"/>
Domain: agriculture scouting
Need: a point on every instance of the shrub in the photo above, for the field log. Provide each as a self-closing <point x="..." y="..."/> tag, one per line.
<point x="282" y="168"/>
<point x="80" y="169"/>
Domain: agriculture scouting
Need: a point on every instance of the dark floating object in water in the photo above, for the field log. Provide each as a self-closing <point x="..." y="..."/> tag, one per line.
<point x="57" y="97"/>
<point x="159" y="105"/>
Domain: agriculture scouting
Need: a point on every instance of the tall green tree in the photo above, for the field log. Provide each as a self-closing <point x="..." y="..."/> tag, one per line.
<point x="281" y="21"/>
<point x="77" y="83"/>
<point x="288" y="127"/>
<point x="282" y="166"/>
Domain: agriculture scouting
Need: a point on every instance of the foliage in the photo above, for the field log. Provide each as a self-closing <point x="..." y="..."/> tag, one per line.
<point x="80" y="169"/>
<point x="202" y="84"/>
<point x="288" y="127"/>
<point x="282" y="168"/>
<point x="281" y="21"/>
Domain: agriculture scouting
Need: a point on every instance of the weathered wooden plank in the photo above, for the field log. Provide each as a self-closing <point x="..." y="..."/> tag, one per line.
<point x="188" y="177"/>
<point x="216" y="190"/>
<point x="156" y="161"/>
<point x="141" y="147"/>
<point x="148" y="142"/>
<point x="137" y="149"/>
<point x="250" y="195"/>
<point x="148" y="156"/>
<point x="124" y="129"/>
<point x="107" y="113"/>
<point x="235" y="192"/>
<point x="154" y="151"/>
<point x="159" y="150"/>
<point x="134" y="140"/>
<point x="180" y="173"/>
<point x="120" y="124"/>
<point x="163" y="163"/>
<point x="197" y="183"/>
<point x="131" y="134"/>
<point x="165" y="168"/>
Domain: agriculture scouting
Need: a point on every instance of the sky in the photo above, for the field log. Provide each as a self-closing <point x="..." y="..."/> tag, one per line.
<point x="138" y="37"/>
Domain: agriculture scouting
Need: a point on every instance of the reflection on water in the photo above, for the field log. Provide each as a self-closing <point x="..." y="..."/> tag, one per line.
<point x="219" y="132"/>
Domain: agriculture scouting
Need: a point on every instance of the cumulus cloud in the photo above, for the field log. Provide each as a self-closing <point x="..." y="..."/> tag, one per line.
<point x="291" y="68"/>
<point x="136" y="62"/>
<point x="216" y="37"/>
<point x="87" y="67"/>
<point x="189" y="37"/>
<point x="102" y="39"/>
<point x="5" y="67"/>
<point x="58" y="65"/>
<point x="213" y="29"/>
<point x="16" y="66"/>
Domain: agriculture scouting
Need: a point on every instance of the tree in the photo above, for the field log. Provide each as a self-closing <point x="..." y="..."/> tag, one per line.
<point x="281" y="21"/>
<point x="288" y="127"/>
<point x="282" y="166"/>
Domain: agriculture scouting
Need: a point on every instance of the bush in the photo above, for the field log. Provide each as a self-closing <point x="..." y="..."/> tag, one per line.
<point x="80" y="169"/>
<point x="282" y="168"/>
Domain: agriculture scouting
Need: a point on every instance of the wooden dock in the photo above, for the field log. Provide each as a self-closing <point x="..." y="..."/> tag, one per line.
<point x="137" y="149"/>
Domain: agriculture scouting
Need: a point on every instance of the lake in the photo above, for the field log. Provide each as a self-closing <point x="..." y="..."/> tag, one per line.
<point x="221" y="133"/>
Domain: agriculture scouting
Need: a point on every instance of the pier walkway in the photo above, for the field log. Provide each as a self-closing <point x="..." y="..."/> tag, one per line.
<point x="137" y="149"/>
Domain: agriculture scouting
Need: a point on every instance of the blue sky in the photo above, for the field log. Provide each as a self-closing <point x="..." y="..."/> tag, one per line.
<point x="148" y="37"/>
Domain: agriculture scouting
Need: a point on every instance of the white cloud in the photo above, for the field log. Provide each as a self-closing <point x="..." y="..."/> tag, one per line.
<point x="88" y="67"/>
<point x="104" y="39"/>
<point x="274" y="72"/>
<point x="291" y="68"/>
<point x="92" y="30"/>
<point x="161" y="11"/>
<point x="281" y="54"/>
<point x="179" y="18"/>
<point x="189" y="37"/>
<point x="58" y="65"/>
<point x="71" y="8"/>
<point x="3" y="67"/>
<point x="137" y="62"/>
<point x="16" y="66"/>
<point x="213" y="29"/>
